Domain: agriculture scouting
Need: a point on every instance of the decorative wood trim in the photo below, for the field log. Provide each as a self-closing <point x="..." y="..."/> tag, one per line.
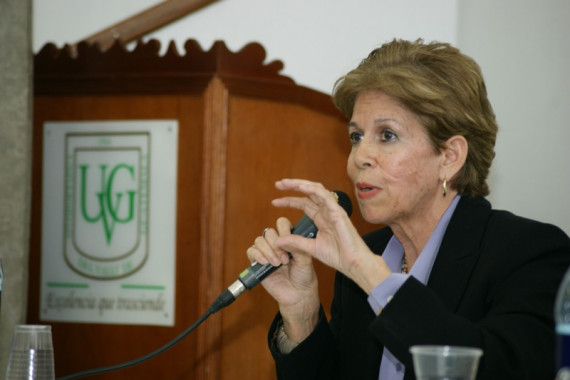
<point x="88" y="70"/>
<point x="53" y="66"/>
<point x="144" y="22"/>
<point x="212" y="225"/>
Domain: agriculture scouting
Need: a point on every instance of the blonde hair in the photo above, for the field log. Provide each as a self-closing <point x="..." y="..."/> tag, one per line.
<point x="444" y="88"/>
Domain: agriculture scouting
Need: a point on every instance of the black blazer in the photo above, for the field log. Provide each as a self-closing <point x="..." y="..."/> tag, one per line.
<point x="492" y="286"/>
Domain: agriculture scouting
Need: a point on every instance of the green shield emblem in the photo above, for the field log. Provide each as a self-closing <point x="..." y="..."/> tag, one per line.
<point x="106" y="203"/>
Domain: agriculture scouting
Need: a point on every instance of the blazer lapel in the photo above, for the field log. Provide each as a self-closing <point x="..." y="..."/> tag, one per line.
<point x="459" y="250"/>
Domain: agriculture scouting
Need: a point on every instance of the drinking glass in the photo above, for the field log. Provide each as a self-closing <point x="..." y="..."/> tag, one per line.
<point x="563" y="374"/>
<point x="445" y="362"/>
<point x="31" y="354"/>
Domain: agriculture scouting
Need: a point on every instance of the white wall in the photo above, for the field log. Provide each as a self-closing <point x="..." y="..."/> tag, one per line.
<point x="523" y="48"/>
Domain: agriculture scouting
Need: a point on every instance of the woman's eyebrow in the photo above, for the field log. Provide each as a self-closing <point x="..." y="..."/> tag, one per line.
<point x="376" y="122"/>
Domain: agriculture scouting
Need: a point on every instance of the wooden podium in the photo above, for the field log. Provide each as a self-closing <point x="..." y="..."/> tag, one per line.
<point x="242" y="126"/>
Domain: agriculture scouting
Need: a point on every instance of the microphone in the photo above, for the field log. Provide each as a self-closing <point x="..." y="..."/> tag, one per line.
<point x="255" y="273"/>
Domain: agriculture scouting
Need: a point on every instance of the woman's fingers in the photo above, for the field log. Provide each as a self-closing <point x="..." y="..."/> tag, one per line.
<point x="283" y="226"/>
<point x="255" y="255"/>
<point x="316" y="196"/>
<point x="263" y="251"/>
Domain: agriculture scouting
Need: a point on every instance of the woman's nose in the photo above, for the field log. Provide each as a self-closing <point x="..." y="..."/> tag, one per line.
<point x="362" y="155"/>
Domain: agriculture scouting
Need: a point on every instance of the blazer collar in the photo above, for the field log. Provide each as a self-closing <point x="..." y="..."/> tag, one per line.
<point x="459" y="250"/>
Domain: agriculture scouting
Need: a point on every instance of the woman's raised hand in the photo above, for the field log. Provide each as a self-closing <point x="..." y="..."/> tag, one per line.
<point x="337" y="244"/>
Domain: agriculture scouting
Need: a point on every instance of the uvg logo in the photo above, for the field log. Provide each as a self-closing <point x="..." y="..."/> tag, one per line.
<point x="107" y="179"/>
<point x="109" y="199"/>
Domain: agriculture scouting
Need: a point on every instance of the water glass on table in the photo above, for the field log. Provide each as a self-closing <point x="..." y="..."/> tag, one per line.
<point x="31" y="354"/>
<point x="445" y="362"/>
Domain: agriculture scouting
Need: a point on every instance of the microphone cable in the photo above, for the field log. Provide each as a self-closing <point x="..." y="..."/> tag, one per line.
<point x="222" y="301"/>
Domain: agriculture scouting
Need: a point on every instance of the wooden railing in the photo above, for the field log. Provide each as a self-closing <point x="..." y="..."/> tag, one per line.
<point x="145" y="22"/>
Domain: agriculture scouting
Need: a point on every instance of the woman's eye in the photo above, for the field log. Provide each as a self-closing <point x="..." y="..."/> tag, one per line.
<point x="355" y="137"/>
<point x="388" y="136"/>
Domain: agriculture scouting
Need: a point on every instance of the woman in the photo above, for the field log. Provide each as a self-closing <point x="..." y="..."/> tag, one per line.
<point x="447" y="269"/>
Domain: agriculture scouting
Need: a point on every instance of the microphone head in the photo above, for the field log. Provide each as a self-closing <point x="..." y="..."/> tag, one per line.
<point x="344" y="201"/>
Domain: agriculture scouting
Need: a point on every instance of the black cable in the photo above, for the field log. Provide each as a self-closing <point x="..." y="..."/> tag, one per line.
<point x="222" y="301"/>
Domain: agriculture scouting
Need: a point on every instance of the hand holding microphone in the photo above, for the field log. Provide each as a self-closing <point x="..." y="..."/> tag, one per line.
<point x="255" y="273"/>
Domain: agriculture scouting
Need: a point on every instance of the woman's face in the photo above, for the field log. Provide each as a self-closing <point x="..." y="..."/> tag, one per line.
<point x="392" y="165"/>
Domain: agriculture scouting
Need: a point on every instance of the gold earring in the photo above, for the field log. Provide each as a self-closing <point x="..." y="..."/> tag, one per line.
<point x="444" y="187"/>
